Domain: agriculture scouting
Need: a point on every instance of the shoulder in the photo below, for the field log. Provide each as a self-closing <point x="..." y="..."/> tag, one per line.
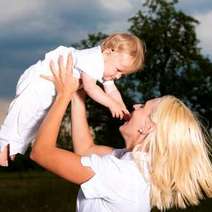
<point x="91" y="62"/>
<point x="60" y="50"/>
<point x="114" y="175"/>
<point x="119" y="162"/>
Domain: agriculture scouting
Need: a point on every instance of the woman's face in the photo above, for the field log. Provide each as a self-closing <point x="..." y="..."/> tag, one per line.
<point x="139" y="120"/>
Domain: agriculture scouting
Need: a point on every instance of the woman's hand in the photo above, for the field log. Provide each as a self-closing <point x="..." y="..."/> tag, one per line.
<point x="63" y="79"/>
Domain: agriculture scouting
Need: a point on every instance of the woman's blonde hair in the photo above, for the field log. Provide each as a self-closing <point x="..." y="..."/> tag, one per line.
<point x="180" y="170"/>
<point x="127" y="43"/>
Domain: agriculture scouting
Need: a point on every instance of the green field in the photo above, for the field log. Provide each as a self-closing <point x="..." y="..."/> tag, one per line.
<point x="39" y="191"/>
<point x="36" y="192"/>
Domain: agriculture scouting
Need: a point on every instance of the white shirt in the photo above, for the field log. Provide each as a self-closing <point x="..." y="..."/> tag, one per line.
<point x="89" y="61"/>
<point x="117" y="185"/>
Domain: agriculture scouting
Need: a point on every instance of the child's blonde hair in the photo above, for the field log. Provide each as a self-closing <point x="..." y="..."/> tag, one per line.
<point x="180" y="168"/>
<point x="127" y="43"/>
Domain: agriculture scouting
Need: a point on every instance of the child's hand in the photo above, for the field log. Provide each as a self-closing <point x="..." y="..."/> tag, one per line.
<point x="118" y="110"/>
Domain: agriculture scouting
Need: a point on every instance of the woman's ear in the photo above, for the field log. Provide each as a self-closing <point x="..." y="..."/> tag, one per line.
<point x="147" y="129"/>
<point x="149" y="126"/>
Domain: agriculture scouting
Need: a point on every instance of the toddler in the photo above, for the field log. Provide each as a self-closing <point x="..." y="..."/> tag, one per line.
<point x="119" y="54"/>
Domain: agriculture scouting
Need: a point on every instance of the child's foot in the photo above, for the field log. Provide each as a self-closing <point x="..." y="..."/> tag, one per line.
<point x="4" y="156"/>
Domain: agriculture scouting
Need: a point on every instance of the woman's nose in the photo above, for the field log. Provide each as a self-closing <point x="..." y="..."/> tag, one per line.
<point x="118" y="75"/>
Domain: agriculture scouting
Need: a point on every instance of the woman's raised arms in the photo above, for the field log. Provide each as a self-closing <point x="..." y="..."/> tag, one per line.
<point x="44" y="151"/>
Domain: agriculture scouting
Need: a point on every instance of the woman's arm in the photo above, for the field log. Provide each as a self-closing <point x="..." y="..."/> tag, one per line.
<point x="44" y="151"/>
<point x="81" y="135"/>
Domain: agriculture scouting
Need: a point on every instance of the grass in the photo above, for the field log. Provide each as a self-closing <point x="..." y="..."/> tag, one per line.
<point x="40" y="191"/>
<point x="36" y="192"/>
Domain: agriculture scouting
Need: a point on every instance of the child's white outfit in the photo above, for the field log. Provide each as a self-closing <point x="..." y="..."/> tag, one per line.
<point x="34" y="95"/>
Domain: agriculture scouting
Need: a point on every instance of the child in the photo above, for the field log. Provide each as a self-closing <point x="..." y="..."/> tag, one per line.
<point x="119" y="54"/>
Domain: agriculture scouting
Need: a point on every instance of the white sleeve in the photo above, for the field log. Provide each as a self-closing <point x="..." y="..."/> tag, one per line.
<point x="119" y="152"/>
<point x="91" y="62"/>
<point x="109" y="86"/>
<point x="108" y="82"/>
<point x="54" y="55"/>
<point x="108" y="180"/>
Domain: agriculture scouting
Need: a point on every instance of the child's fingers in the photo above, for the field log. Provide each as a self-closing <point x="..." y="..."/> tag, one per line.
<point x="121" y="115"/>
<point x="125" y="111"/>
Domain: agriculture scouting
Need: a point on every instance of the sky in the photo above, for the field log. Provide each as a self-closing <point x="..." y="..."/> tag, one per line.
<point x="28" y="29"/>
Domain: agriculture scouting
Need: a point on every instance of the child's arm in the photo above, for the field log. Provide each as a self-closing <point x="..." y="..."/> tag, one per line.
<point x="111" y="89"/>
<point x="96" y="93"/>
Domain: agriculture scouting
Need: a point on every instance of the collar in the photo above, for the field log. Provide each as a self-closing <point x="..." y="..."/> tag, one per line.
<point x="128" y="156"/>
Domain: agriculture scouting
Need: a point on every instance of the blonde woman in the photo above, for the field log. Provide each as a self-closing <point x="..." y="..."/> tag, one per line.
<point x="165" y="162"/>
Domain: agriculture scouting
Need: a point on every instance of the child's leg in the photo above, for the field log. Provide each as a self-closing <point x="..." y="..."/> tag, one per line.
<point x="22" y="121"/>
<point x="4" y="156"/>
<point x="26" y="113"/>
<point x="23" y="83"/>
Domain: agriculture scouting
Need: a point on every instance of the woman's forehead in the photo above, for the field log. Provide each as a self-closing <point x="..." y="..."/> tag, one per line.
<point x="153" y="103"/>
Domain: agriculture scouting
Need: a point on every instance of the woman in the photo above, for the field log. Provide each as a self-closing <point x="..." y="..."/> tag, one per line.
<point x="165" y="162"/>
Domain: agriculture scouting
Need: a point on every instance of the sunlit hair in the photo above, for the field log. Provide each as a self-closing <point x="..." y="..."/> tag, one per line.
<point x="180" y="168"/>
<point x="129" y="44"/>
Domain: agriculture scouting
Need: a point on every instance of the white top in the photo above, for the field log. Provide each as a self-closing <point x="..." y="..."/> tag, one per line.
<point x="89" y="61"/>
<point x="117" y="185"/>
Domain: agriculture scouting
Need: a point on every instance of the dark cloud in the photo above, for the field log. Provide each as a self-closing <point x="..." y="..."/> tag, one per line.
<point x="193" y="7"/>
<point x="26" y="38"/>
<point x="27" y="34"/>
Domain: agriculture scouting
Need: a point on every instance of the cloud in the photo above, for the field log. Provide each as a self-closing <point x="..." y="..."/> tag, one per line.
<point x="192" y="6"/>
<point x="204" y="31"/>
<point x="31" y="28"/>
<point x="116" y="5"/>
<point x="12" y="10"/>
<point x="67" y="18"/>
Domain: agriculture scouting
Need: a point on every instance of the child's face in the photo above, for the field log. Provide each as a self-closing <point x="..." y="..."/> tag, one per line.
<point x="116" y="64"/>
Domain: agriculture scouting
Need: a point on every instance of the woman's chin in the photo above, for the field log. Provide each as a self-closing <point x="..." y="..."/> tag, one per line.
<point x="122" y="128"/>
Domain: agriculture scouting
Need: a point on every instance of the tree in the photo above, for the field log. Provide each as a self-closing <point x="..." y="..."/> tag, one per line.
<point x="174" y="65"/>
